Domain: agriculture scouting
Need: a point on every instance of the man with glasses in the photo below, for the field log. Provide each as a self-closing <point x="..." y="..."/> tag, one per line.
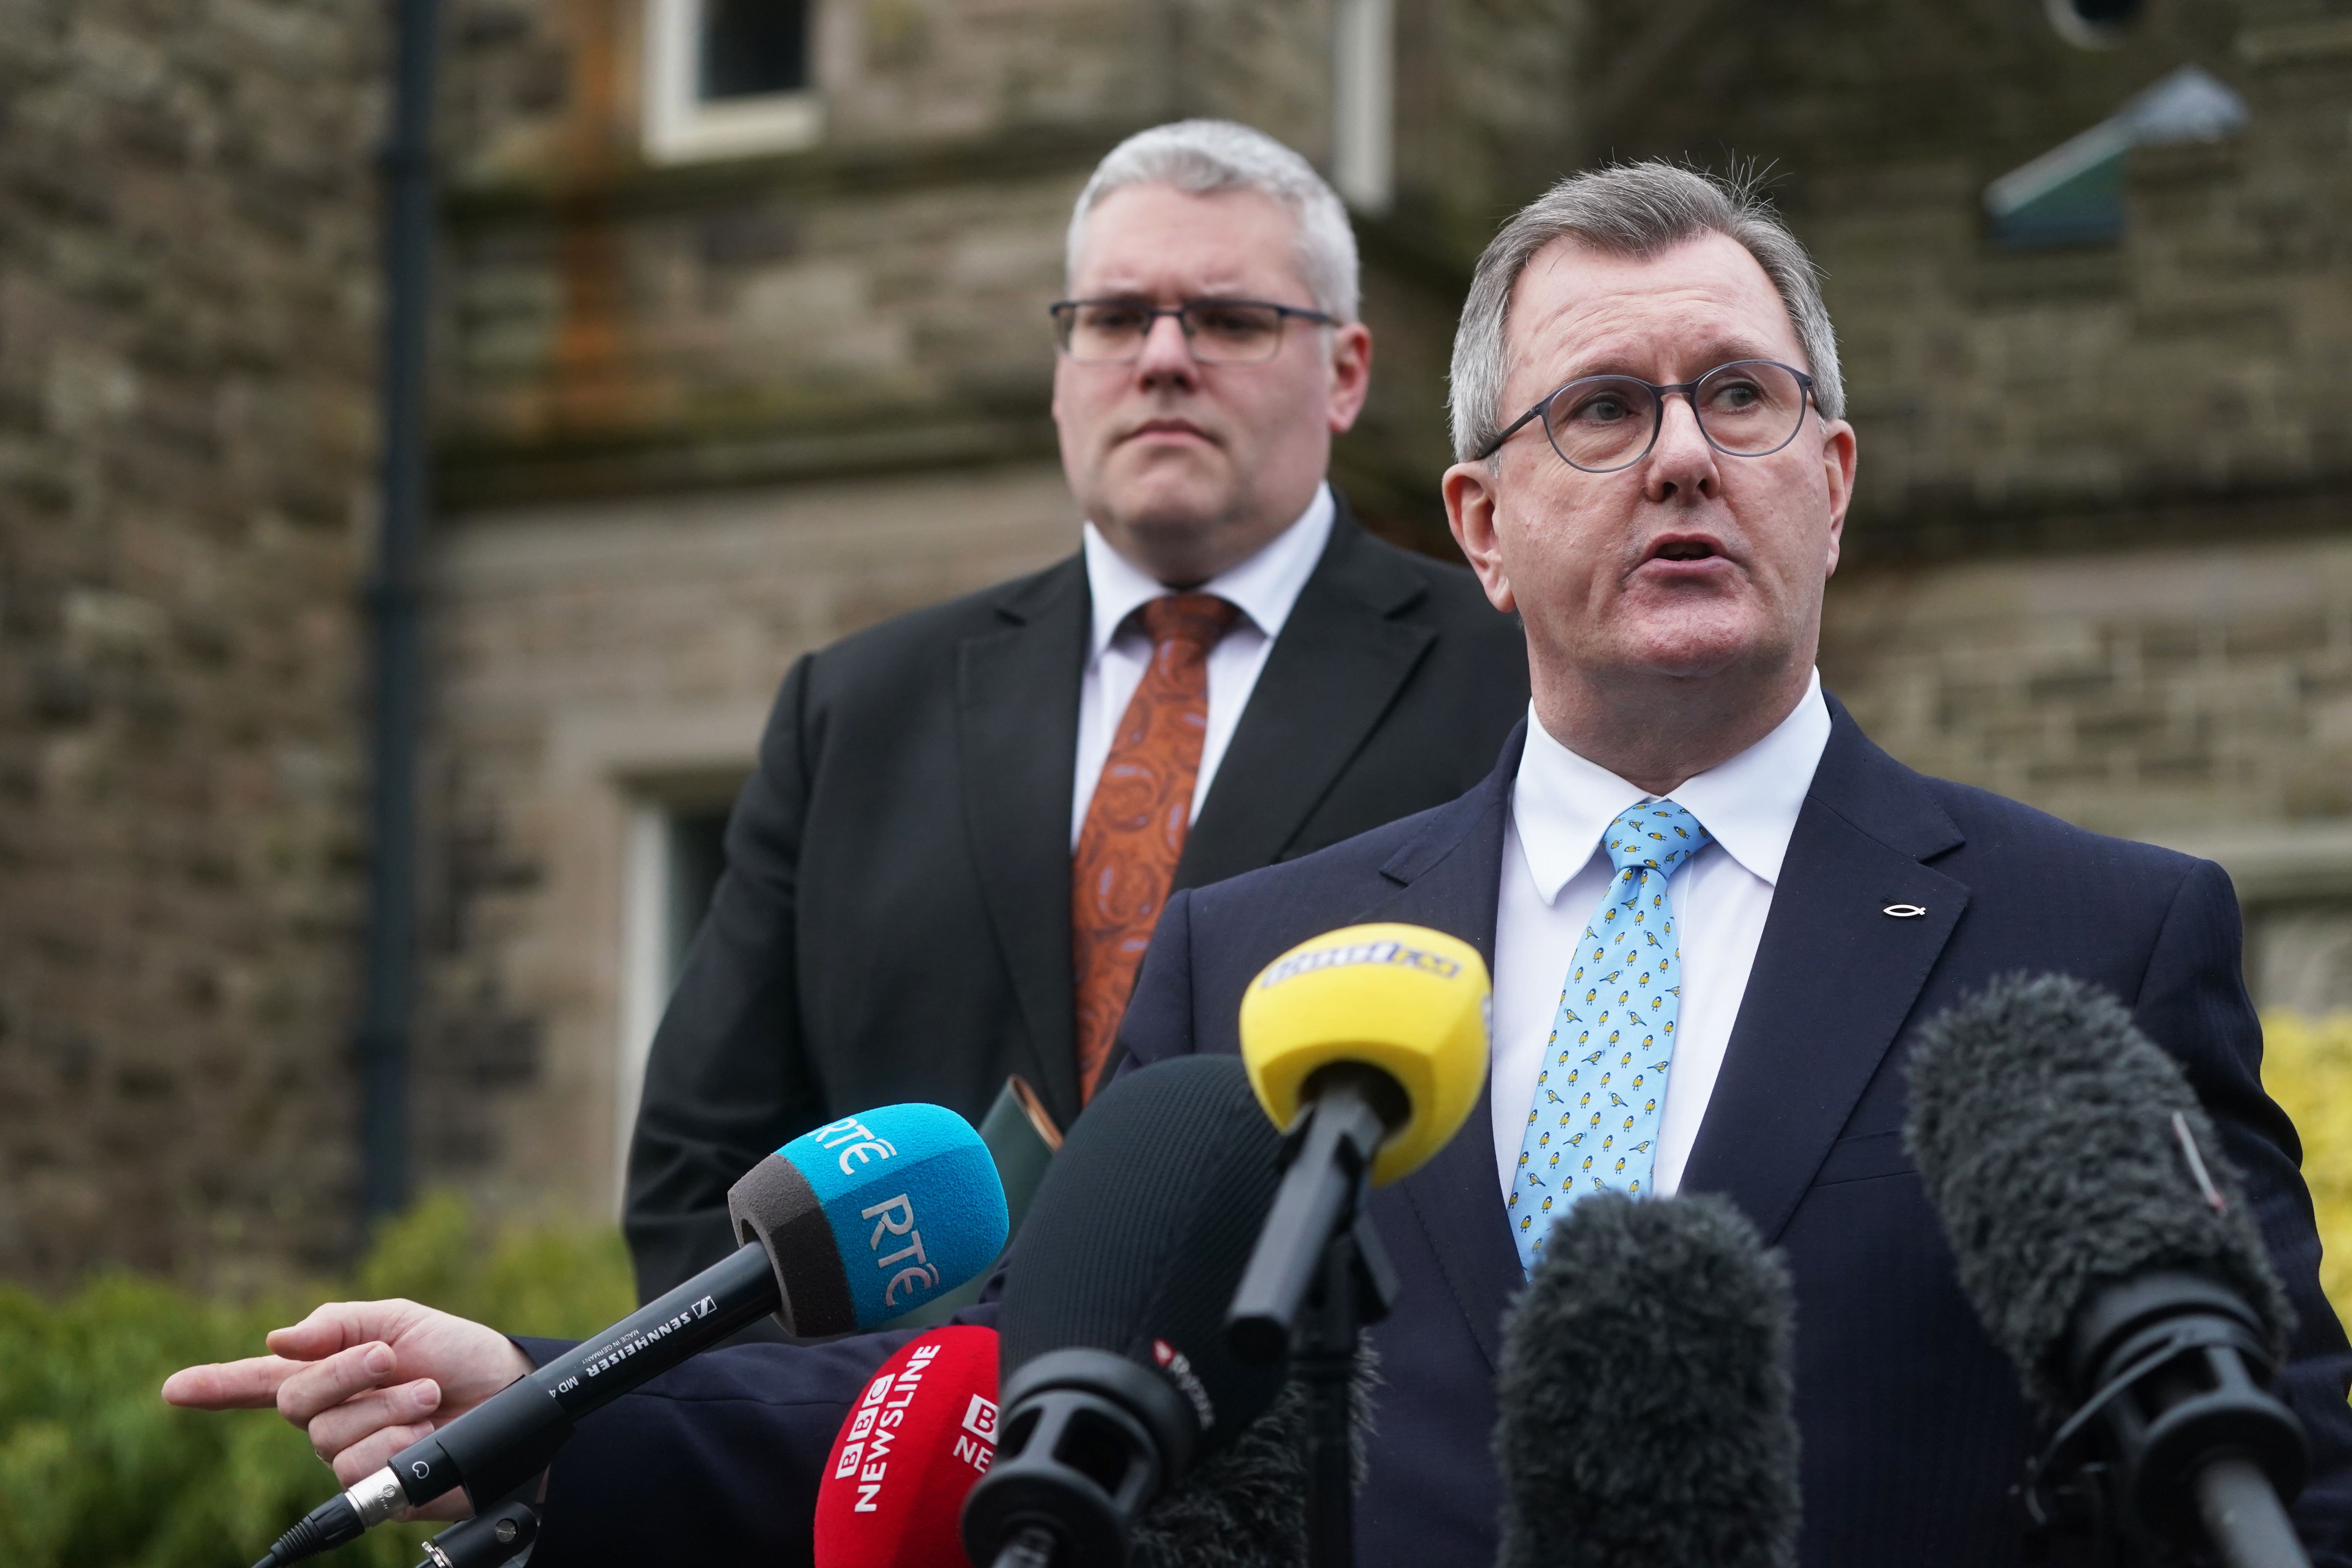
<point x="1654" y="476"/>
<point x="1715" y="910"/>
<point x="964" y="821"/>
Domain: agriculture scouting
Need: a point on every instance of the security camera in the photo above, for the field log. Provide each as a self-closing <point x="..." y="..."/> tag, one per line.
<point x="2093" y="24"/>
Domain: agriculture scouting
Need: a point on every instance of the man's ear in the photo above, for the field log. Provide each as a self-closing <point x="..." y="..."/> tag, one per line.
<point x="1351" y="373"/>
<point x="1471" y="505"/>
<point x="1837" y="472"/>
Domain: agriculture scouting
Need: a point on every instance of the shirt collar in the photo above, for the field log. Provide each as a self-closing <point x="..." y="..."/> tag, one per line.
<point x="1561" y="803"/>
<point x="1264" y="587"/>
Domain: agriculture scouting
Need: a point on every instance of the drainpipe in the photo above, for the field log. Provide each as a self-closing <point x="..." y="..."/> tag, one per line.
<point x="389" y="1004"/>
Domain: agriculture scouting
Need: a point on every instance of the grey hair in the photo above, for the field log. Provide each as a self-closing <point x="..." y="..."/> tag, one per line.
<point x="1638" y="210"/>
<point x="1203" y="156"/>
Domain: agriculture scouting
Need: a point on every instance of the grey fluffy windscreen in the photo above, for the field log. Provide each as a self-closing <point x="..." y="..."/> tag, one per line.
<point x="1245" y="1506"/>
<point x="1644" y="1393"/>
<point x="2042" y="1120"/>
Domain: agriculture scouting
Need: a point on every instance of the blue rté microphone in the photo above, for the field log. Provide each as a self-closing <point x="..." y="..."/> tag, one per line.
<point x="869" y="1217"/>
<point x="844" y="1229"/>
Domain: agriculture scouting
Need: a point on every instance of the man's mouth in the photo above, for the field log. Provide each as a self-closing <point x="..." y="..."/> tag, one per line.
<point x="1684" y="548"/>
<point x="1165" y="428"/>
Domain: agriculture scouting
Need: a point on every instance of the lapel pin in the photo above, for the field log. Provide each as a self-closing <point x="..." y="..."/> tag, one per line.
<point x="1904" y="911"/>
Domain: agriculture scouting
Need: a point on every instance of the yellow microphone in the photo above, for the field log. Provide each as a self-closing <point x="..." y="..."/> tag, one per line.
<point x="1368" y="1046"/>
<point x="1406" y="1001"/>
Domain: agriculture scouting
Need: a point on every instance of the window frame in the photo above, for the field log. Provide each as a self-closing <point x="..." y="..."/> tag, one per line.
<point x="680" y="126"/>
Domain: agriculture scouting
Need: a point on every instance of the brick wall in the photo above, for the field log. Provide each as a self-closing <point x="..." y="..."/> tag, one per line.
<point x="596" y="659"/>
<point x="185" y="275"/>
<point x="694" y="420"/>
<point x="2188" y="693"/>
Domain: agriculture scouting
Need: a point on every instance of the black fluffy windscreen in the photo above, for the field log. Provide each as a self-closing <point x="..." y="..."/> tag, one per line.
<point x="2042" y="1120"/>
<point x="1140" y="1230"/>
<point x="1645" y="1393"/>
<point x="1245" y="1506"/>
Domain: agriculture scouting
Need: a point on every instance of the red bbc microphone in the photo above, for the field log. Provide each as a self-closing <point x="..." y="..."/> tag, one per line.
<point x="922" y="1431"/>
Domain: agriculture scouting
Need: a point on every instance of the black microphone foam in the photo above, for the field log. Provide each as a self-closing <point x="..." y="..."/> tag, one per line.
<point x="1245" y="1505"/>
<point x="1644" y="1395"/>
<point x="1139" y="1233"/>
<point x="2041" y="1119"/>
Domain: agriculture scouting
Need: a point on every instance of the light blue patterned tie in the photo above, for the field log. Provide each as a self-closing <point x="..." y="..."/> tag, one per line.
<point x="1594" y="1124"/>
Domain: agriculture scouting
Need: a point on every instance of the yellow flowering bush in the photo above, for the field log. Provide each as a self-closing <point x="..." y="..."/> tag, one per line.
<point x="2307" y="1067"/>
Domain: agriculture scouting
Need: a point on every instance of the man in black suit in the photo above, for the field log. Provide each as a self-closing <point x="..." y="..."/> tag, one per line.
<point x="895" y="920"/>
<point x="1664" y="518"/>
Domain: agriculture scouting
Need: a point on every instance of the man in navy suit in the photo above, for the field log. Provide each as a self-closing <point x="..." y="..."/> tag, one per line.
<point x="1654" y="475"/>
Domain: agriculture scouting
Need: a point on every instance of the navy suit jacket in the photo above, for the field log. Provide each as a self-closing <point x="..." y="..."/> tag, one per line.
<point x="1913" y="1426"/>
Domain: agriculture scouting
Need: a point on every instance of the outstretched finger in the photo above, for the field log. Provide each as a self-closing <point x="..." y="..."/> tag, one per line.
<point x="249" y="1384"/>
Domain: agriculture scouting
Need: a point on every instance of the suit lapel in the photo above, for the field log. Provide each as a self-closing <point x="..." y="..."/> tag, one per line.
<point x="1835" y="976"/>
<point x="1328" y="678"/>
<point x="1016" y="730"/>
<point x="1452" y="877"/>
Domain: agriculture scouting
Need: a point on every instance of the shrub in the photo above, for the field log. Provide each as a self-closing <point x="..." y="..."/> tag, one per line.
<point x="2307" y="1067"/>
<point x="96" y="1471"/>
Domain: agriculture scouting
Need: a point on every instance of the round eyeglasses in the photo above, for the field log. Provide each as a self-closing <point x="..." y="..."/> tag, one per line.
<point x="1748" y="408"/>
<point x="1219" y="332"/>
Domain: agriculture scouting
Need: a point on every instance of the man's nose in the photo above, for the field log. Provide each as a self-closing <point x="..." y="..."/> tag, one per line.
<point x="1682" y="461"/>
<point x="1167" y="354"/>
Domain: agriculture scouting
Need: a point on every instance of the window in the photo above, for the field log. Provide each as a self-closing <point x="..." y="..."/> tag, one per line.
<point x="674" y="856"/>
<point x="2073" y="194"/>
<point x="726" y="78"/>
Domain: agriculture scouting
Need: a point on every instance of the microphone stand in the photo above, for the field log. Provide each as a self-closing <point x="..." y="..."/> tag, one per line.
<point x="1318" y="1277"/>
<point x="505" y="1534"/>
<point x="1356" y="1285"/>
<point x="2202" y="1451"/>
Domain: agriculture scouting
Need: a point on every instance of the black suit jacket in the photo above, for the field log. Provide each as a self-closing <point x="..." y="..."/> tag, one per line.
<point x="894" y="922"/>
<point x="1913" y="1426"/>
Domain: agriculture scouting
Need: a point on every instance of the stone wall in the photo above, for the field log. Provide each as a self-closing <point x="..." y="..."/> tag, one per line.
<point x="596" y="659"/>
<point x="2197" y="696"/>
<point x="877" y="300"/>
<point x="696" y="419"/>
<point x="186" y="237"/>
<point x="756" y="349"/>
<point x="2004" y="393"/>
<point x="2096" y="557"/>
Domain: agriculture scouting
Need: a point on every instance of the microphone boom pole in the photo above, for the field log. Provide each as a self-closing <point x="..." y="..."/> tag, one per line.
<point x="1316" y="1279"/>
<point x="1327" y="1161"/>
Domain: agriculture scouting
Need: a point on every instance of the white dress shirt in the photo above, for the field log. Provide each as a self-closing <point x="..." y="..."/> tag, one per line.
<point x="1554" y="870"/>
<point x="1263" y="587"/>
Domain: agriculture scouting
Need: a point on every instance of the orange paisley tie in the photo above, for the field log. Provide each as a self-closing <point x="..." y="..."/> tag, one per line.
<point x="1134" y="831"/>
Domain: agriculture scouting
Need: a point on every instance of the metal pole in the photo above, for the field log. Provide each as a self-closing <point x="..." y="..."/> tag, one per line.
<point x="391" y="599"/>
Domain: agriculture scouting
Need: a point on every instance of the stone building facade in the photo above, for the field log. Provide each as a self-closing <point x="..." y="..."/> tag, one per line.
<point x="724" y="374"/>
<point x="705" y="412"/>
<point x="186" y="338"/>
<point x="704" y="415"/>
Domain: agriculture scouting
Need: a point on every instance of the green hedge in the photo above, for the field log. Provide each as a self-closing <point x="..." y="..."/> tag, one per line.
<point x="96" y="1471"/>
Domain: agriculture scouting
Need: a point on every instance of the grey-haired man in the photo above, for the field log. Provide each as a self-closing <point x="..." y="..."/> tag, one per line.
<point x="925" y="889"/>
